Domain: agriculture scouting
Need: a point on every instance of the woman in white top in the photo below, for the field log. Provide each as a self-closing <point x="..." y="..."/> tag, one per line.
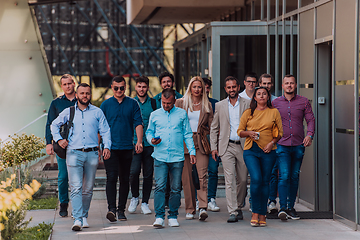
<point x="198" y="107"/>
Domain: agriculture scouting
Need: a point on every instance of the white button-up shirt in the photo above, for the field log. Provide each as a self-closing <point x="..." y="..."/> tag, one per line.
<point x="234" y="115"/>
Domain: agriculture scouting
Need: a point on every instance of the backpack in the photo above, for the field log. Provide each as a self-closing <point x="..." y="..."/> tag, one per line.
<point x="64" y="132"/>
<point x="153" y="104"/>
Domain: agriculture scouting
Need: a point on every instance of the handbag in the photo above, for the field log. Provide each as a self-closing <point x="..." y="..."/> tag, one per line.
<point x="195" y="177"/>
<point x="204" y="140"/>
<point x="64" y="132"/>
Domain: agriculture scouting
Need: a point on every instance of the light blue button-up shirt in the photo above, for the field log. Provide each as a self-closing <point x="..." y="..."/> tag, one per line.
<point x="174" y="129"/>
<point x="86" y="126"/>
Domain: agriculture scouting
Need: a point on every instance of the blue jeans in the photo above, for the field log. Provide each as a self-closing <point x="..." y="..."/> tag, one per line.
<point x="162" y="170"/>
<point x="81" y="167"/>
<point x="274" y="183"/>
<point x="63" y="180"/>
<point x="213" y="177"/>
<point x="259" y="165"/>
<point x="289" y="163"/>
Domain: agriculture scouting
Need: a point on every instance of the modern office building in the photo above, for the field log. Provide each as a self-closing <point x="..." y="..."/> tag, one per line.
<point x="317" y="41"/>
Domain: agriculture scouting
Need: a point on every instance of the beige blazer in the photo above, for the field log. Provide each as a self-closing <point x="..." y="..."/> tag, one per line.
<point x="220" y="127"/>
<point x="205" y="120"/>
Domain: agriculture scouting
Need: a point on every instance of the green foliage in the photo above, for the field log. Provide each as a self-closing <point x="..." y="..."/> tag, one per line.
<point x="39" y="232"/>
<point x="15" y="222"/>
<point x="44" y="203"/>
<point x="21" y="149"/>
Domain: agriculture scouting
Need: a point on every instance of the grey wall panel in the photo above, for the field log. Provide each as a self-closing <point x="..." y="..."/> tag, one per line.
<point x="306" y="38"/>
<point x="344" y="40"/>
<point x="344" y="176"/>
<point x="344" y="106"/>
<point x="324" y="20"/>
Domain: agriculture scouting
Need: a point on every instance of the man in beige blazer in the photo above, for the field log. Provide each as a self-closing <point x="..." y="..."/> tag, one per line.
<point x="226" y="144"/>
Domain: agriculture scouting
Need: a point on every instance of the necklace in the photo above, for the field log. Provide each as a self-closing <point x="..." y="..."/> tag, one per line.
<point x="197" y="104"/>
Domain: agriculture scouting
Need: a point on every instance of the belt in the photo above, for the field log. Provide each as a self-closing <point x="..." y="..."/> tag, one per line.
<point x="236" y="142"/>
<point x="87" y="149"/>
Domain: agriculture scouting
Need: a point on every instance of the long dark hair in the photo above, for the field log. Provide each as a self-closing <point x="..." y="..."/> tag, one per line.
<point x="253" y="103"/>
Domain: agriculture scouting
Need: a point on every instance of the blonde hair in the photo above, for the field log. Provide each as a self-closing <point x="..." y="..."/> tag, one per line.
<point x="187" y="97"/>
<point x="67" y="76"/>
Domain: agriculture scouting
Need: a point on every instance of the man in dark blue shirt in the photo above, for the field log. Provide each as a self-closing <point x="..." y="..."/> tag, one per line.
<point x="56" y="107"/>
<point x="147" y="106"/>
<point x="123" y="115"/>
<point x="213" y="164"/>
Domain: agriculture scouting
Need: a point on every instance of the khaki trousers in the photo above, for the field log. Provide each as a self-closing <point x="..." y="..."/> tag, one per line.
<point x="235" y="173"/>
<point x="188" y="186"/>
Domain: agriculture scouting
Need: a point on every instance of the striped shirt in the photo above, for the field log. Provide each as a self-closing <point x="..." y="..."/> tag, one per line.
<point x="292" y="114"/>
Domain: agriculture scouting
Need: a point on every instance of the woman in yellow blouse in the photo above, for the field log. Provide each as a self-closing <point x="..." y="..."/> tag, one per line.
<point x="262" y="127"/>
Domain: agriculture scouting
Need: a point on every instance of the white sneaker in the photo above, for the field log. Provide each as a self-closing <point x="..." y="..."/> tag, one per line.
<point x="197" y="205"/>
<point x="145" y="208"/>
<point x="212" y="206"/>
<point x="203" y="215"/>
<point x="85" y="223"/>
<point x="189" y="216"/>
<point x="76" y="226"/>
<point x="133" y="204"/>
<point x="272" y="208"/>
<point x="173" y="222"/>
<point x="159" y="223"/>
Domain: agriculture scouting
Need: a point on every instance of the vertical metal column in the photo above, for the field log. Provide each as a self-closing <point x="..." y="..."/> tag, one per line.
<point x="277" y="81"/>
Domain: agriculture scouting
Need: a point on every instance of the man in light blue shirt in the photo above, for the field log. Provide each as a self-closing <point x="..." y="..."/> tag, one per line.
<point x="82" y="151"/>
<point x="168" y="129"/>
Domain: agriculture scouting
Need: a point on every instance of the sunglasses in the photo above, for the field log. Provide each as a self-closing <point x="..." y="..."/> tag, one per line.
<point x="122" y="88"/>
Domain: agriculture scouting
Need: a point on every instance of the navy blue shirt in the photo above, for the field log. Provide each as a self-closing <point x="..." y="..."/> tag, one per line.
<point x="56" y="107"/>
<point x="122" y="118"/>
<point x="213" y="101"/>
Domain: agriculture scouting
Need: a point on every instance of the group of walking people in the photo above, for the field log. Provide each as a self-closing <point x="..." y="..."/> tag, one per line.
<point x="172" y="136"/>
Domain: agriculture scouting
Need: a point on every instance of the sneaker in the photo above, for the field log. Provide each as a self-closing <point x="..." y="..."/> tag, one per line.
<point x="232" y="218"/>
<point x="121" y="216"/>
<point x="282" y="215"/>
<point x="111" y="216"/>
<point x="189" y="216"/>
<point x="197" y="206"/>
<point x="145" y="208"/>
<point x="239" y="215"/>
<point x="159" y="223"/>
<point x="63" y="209"/>
<point x="272" y="209"/>
<point x="203" y="214"/>
<point x="76" y="226"/>
<point x="291" y="213"/>
<point x="173" y="222"/>
<point x="212" y="206"/>
<point x="133" y="205"/>
<point x="85" y="223"/>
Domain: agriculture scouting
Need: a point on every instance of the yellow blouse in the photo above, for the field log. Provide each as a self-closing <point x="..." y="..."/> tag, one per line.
<point x="267" y="122"/>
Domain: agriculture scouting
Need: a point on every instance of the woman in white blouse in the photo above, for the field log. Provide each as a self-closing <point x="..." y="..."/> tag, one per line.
<point x="198" y="107"/>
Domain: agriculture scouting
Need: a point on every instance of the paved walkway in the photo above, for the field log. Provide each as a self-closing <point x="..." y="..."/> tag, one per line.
<point x="139" y="226"/>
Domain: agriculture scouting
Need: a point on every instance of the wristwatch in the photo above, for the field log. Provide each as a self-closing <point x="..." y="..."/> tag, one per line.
<point x="312" y="137"/>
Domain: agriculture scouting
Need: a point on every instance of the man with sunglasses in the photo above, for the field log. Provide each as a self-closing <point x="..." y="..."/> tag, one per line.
<point x="250" y="83"/>
<point x="123" y="115"/>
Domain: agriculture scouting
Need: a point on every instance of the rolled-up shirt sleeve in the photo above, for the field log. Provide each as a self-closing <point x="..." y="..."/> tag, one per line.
<point x="150" y="130"/>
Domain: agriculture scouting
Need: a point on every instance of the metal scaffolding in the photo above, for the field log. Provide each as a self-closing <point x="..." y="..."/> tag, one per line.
<point x="91" y="38"/>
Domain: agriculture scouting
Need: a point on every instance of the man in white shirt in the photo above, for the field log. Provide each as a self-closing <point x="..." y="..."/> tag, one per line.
<point x="225" y="143"/>
<point x="266" y="80"/>
<point x="250" y="83"/>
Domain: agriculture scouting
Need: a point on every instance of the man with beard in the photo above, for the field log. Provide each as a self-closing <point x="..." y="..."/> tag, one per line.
<point x="226" y="144"/>
<point x="123" y="114"/>
<point x="147" y="105"/>
<point x="57" y="106"/>
<point x="166" y="81"/>
<point x="293" y="109"/>
<point x="82" y="151"/>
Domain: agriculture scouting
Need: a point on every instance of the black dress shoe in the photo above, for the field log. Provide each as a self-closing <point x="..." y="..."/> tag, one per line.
<point x="291" y="213"/>
<point x="121" y="216"/>
<point x="111" y="216"/>
<point x="240" y="215"/>
<point x="232" y="218"/>
<point x="63" y="209"/>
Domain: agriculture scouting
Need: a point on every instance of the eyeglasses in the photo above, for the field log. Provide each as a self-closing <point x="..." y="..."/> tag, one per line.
<point x="251" y="82"/>
<point x="122" y="88"/>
